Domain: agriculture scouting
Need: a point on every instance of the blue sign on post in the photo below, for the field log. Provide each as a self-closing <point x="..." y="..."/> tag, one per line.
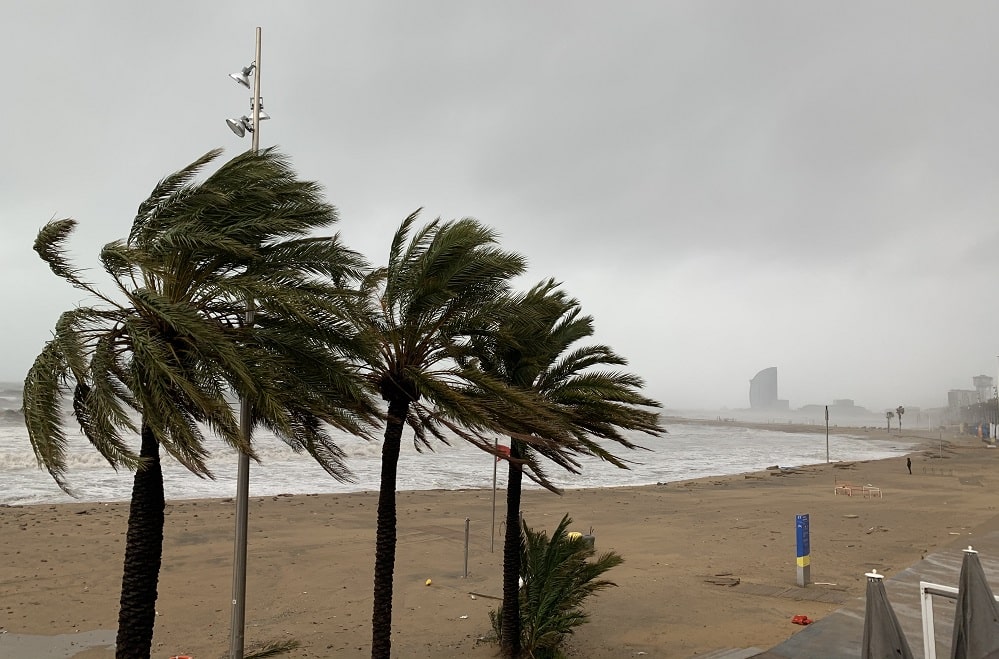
<point x="804" y="549"/>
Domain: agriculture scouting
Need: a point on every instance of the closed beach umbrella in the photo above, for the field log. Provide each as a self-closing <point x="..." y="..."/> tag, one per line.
<point x="883" y="636"/>
<point x="976" y="617"/>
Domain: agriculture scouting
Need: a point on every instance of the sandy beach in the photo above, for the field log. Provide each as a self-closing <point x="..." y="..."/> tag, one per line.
<point x="311" y="559"/>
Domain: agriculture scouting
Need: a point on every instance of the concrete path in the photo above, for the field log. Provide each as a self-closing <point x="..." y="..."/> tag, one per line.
<point x="839" y="634"/>
<point x="60" y="646"/>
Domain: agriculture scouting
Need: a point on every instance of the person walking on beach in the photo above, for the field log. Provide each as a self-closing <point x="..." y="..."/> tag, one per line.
<point x="908" y="464"/>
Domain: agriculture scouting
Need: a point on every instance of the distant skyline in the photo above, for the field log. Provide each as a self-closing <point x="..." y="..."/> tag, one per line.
<point x="724" y="186"/>
<point x="780" y="397"/>
<point x="17" y="382"/>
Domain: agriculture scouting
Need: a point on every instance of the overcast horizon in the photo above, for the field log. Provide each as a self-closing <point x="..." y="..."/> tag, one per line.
<point x="725" y="186"/>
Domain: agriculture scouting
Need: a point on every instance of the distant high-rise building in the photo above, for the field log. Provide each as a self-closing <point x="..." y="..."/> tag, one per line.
<point x="763" y="389"/>
<point x="958" y="398"/>
<point x="983" y="387"/>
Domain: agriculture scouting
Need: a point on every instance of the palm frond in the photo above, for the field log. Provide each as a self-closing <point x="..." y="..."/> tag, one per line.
<point x="165" y="191"/>
<point x="559" y="575"/>
<point x="532" y="350"/>
<point x="50" y="246"/>
<point x="100" y="416"/>
<point x="309" y="436"/>
<point x="272" y="649"/>
<point x="117" y="261"/>
<point x="399" y="238"/>
<point x="324" y="257"/>
<point x="42" y="406"/>
<point x="175" y="345"/>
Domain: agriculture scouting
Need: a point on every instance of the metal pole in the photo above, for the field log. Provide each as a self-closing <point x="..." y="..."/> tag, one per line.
<point x="492" y="538"/>
<point x="239" y="556"/>
<point x="243" y="470"/>
<point x="827" y="434"/>
<point x="256" y="97"/>
<point x="467" y="522"/>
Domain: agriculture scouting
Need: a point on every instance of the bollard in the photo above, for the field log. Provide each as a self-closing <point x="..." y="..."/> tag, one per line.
<point x="804" y="550"/>
<point x="467" y="522"/>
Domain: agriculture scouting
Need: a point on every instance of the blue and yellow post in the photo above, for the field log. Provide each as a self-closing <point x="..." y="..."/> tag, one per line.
<point x="804" y="550"/>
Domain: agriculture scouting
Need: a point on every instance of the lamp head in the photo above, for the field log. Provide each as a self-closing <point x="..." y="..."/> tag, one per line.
<point x="243" y="77"/>
<point x="236" y="126"/>
<point x="240" y="126"/>
<point x="263" y="115"/>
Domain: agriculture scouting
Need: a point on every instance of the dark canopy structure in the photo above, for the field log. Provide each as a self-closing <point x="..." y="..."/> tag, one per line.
<point x="883" y="636"/>
<point x="976" y="616"/>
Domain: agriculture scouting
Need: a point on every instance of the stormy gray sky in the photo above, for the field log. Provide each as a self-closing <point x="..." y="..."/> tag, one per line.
<point x="725" y="186"/>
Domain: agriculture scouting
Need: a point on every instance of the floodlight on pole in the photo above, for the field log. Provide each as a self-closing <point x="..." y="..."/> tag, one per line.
<point x="239" y="126"/>
<point x="263" y="115"/>
<point x="243" y="77"/>
<point x="245" y="124"/>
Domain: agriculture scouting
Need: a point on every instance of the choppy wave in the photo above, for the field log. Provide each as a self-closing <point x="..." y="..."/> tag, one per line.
<point x="689" y="451"/>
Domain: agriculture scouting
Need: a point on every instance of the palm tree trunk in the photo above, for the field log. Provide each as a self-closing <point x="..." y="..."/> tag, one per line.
<point x="510" y="636"/>
<point x="385" y="536"/>
<point x="143" y="554"/>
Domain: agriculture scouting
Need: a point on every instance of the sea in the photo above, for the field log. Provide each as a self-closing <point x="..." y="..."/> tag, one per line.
<point x="689" y="450"/>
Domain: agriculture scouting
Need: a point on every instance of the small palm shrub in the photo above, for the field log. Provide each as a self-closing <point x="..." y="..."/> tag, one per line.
<point x="558" y="576"/>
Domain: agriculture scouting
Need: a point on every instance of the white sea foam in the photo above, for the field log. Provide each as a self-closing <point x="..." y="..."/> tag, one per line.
<point x="688" y="451"/>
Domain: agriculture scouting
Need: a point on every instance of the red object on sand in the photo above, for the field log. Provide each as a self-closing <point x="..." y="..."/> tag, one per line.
<point x="802" y="620"/>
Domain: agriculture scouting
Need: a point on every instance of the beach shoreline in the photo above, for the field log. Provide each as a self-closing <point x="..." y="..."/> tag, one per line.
<point x="688" y="451"/>
<point x="310" y="558"/>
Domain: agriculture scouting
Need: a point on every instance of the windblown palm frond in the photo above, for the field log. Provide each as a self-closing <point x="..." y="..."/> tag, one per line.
<point x="174" y="345"/>
<point x="532" y="350"/>
<point x="416" y="315"/>
<point x="50" y="246"/>
<point x="166" y="189"/>
<point x="559" y="574"/>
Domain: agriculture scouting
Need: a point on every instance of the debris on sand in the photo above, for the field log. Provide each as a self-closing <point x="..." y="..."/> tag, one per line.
<point x="724" y="579"/>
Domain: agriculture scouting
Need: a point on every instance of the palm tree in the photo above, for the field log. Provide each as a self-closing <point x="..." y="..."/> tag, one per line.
<point x="436" y="290"/>
<point x="172" y="344"/>
<point x="534" y="351"/>
<point x="900" y="411"/>
<point x="889" y="415"/>
<point x="559" y="574"/>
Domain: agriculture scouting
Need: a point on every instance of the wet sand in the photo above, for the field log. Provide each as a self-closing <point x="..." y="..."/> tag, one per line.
<point x="311" y="559"/>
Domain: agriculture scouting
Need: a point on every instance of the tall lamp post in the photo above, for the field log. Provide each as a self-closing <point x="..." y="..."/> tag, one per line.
<point x="241" y="126"/>
<point x="827" y="434"/>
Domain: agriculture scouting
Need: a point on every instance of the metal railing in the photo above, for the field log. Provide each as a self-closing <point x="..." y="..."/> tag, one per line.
<point x="926" y="592"/>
